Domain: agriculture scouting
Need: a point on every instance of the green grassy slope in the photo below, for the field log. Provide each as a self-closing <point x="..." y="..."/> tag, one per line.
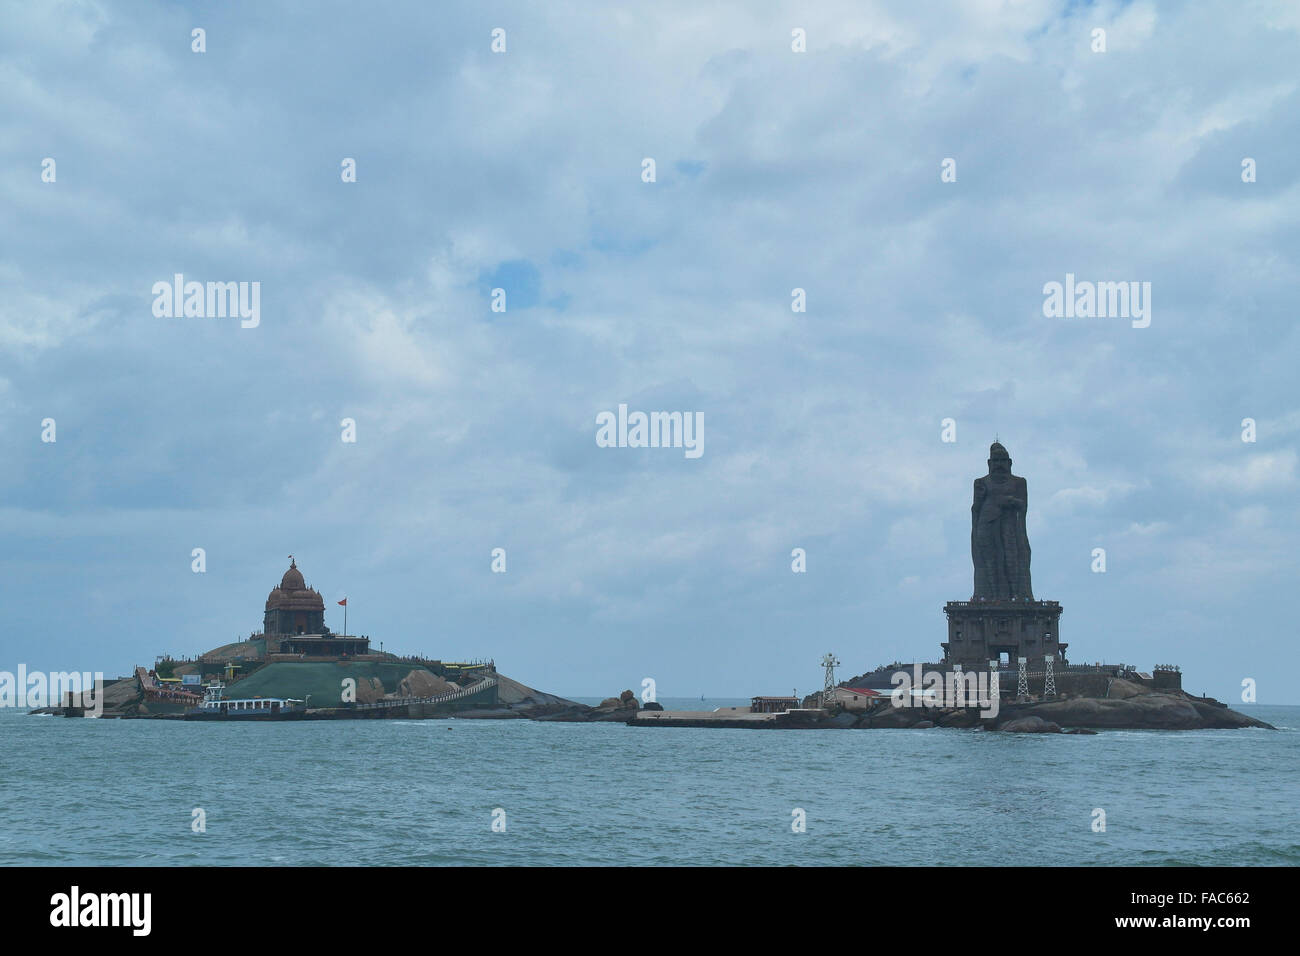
<point x="323" y="680"/>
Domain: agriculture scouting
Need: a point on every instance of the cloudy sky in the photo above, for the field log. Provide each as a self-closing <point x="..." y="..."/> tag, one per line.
<point x="475" y="429"/>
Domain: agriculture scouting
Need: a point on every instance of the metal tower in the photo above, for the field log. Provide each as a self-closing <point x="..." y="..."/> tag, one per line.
<point x="828" y="693"/>
<point x="994" y="690"/>
<point x="1022" y="682"/>
<point x="1049" y="677"/>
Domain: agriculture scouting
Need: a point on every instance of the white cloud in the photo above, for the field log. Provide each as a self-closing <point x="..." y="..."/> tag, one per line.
<point x="1257" y="472"/>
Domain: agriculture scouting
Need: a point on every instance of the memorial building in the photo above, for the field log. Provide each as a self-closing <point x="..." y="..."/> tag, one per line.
<point x="294" y="622"/>
<point x="1002" y="621"/>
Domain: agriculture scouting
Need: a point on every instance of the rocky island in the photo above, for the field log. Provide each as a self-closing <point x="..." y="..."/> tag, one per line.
<point x="1004" y="665"/>
<point x="1003" y="668"/>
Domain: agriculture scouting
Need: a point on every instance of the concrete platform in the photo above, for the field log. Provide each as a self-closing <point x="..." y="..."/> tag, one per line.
<point x="727" y="718"/>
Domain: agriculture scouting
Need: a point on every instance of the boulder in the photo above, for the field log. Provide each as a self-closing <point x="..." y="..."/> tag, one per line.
<point x="891" y="716"/>
<point x="1030" y="725"/>
<point x="1219" y="717"/>
<point x="652" y="705"/>
<point x="528" y="702"/>
<point x="369" y="690"/>
<point x="960" y="717"/>
<point x="422" y="683"/>
<point x="1121" y="689"/>
<point x="923" y="725"/>
<point x="623" y="703"/>
<point x="124" y="697"/>
<point x="1149" y="710"/>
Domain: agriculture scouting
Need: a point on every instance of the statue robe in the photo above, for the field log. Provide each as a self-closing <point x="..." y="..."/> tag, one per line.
<point x="999" y="544"/>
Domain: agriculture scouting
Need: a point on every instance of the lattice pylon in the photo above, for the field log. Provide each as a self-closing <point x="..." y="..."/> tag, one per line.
<point x="1022" y="681"/>
<point x="829" y="662"/>
<point x="1049" y="676"/>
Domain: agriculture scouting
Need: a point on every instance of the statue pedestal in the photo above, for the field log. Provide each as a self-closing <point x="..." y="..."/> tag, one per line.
<point x="981" y="631"/>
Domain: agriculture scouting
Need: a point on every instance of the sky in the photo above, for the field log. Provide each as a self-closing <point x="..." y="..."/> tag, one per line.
<point x="523" y="170"/>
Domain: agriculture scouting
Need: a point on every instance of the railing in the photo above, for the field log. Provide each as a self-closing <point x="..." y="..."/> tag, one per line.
<point x="471" y="665"/>
<point x="993" y="604"/>
<point x="437" y="699"/>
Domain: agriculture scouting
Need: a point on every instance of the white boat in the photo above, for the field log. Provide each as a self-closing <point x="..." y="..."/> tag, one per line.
<point x="215" y="706"/>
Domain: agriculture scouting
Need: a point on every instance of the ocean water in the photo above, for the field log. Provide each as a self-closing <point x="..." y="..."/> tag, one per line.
<point x="124" y="792"/>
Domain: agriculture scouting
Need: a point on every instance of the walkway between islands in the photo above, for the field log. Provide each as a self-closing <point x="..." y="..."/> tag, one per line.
<point x="711" y="718"/>
<point x="478" y="688"/>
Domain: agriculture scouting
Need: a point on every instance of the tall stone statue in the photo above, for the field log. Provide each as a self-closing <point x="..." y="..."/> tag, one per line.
<point x="999" y="545"/>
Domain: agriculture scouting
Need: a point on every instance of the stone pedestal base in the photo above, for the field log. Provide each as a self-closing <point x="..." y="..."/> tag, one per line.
<point x="981" y="631"/>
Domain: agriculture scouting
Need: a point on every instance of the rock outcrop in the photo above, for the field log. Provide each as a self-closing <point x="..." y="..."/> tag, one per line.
<point x="423" y="683"/>
<point x="1146" y="711"/>
<point x="1030" y="725"/>
<point x="369" y="690"/>
<point x="1130" y="707"/>
<point x="621" y="708"/>
<point x="518" y="700"/>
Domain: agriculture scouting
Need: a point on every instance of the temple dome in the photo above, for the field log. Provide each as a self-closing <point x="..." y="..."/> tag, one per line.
<point x="292" y="580"/>
<point x="293" y="593"/>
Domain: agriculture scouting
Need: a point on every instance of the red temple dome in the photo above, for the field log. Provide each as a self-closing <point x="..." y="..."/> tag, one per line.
<point x="293" y="593"/>
<point x="292" y="580"/>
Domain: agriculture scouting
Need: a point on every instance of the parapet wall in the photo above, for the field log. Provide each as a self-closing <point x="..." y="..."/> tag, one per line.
<point x="1164" y="678"/>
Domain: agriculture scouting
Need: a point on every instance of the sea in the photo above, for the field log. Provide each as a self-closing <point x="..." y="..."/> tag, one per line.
<point x="517" y="792"/>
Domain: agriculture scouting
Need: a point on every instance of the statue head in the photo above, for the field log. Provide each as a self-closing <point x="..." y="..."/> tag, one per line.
<point x="999" y="460"/>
